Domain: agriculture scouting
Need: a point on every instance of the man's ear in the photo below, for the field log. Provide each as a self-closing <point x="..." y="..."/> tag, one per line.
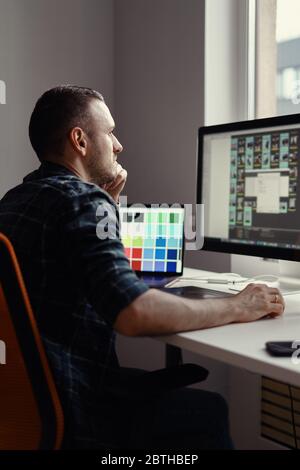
<point x="78" y="140"/>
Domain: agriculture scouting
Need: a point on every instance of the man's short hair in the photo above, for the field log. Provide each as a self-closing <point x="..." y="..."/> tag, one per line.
<point x="56" y="112"/>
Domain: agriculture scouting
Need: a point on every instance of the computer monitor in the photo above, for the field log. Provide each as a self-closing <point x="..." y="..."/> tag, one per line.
<point x="248" y="181"/>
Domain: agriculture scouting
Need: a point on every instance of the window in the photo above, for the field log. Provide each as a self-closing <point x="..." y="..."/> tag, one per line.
<point x="277" y="57"/>
<point x="288" y="56"/>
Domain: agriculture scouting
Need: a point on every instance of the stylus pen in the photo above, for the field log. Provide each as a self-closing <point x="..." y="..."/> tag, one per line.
<point x="224" y="281"/>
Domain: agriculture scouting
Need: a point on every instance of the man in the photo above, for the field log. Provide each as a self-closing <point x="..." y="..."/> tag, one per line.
<point x="83" y="290"/>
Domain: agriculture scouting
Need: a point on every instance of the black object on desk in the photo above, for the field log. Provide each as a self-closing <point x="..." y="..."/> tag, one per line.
<point x="193" y="292"/>
<point x="282" y="348"/>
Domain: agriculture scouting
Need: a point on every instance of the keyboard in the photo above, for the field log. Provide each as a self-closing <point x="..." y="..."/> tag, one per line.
<point x="193" y="292"/>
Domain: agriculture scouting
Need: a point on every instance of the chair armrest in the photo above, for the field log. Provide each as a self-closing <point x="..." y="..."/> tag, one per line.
<point x="170" y="378"/>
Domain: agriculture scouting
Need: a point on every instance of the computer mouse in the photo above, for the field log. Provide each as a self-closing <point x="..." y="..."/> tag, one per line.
<point x="268" y="279"/>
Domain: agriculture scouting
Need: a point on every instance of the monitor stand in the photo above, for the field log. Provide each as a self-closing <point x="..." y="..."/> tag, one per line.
<point x="288" y="272"/>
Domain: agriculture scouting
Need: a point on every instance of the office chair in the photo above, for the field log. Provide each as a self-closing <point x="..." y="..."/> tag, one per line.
<point x="31" y="416"/>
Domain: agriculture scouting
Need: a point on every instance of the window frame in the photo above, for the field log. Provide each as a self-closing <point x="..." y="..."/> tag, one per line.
<point x="230" y="59"/>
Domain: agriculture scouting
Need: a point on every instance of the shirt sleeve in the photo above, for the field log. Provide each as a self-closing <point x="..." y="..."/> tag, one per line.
<point x="92" y="247"/>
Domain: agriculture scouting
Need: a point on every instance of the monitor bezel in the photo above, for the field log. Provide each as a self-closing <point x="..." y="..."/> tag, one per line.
<point x="215" y="244"/>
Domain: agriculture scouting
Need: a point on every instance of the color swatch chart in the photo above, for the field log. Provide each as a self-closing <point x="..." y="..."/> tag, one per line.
<point x="153" y="238"/>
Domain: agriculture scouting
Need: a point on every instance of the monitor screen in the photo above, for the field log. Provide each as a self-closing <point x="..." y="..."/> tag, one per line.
<point x="248" y="180"/>
<point x="153" y="238"/>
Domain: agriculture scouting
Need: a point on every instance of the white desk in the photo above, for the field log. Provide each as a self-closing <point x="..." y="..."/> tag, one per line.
<point x="242" y="345"/>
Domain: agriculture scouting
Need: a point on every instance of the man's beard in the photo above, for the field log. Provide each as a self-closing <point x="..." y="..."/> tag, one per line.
<point x="97" y="174"/>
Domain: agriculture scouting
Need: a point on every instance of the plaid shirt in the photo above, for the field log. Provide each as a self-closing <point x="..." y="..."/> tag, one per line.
<point x="77" y="284"/>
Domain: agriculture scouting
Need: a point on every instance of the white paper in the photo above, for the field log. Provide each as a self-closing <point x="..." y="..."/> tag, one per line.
<point x="251" y="187"/>
<point x="268" y="193"/>
<point x="284" y="186"/>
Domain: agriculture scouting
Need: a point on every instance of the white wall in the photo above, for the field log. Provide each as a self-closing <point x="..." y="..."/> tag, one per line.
<point x="159" y="95"/>
<point x="43" y="44"/>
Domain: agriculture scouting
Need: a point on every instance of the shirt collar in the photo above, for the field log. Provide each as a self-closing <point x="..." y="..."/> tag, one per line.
<point x="48" y="168"/>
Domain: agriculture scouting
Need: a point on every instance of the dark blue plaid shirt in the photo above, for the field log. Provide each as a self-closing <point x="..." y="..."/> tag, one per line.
<point x="77" y="284"/>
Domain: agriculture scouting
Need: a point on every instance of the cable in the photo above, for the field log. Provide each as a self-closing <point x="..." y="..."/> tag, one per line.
<point x="232" y="278"/>
<point x="217" y="280"/>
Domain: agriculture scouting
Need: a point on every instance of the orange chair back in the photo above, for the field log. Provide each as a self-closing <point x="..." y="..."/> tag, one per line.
<point x="31" y="416"/>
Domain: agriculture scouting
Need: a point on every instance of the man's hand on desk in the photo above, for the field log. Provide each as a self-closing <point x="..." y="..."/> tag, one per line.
<point x="257" y="301"/>
<point x="160" y="313"/>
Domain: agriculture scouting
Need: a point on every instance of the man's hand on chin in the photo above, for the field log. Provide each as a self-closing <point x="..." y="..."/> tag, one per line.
<point x="116" y="186"/>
